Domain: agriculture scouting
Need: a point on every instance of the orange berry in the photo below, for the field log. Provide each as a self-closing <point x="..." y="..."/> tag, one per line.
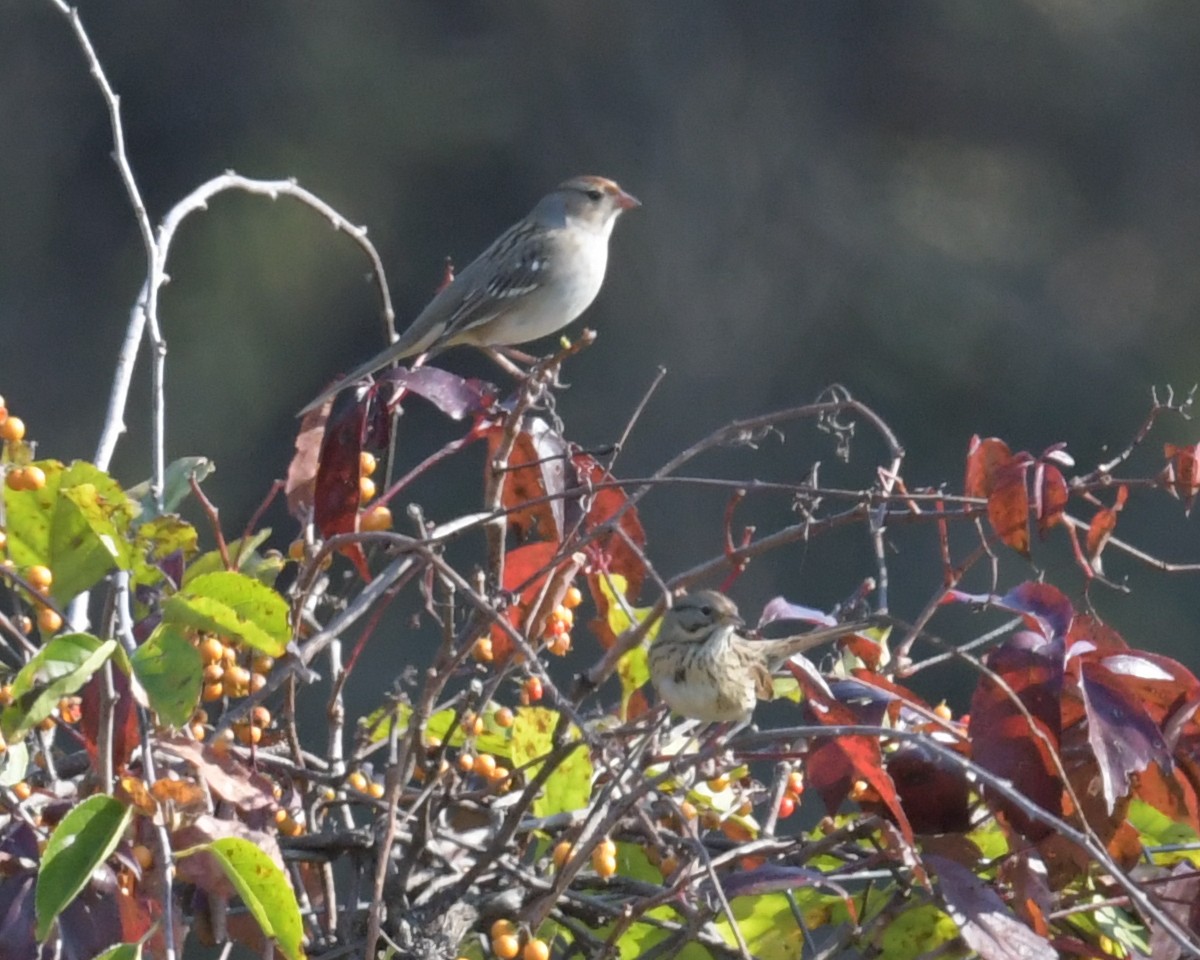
<point x="366" y="489"/>
<point x="22" y="790"/>
<point x="564" y="616"/>
<point x="295" y="550"/>
<point x="795" y="783"/>
<point x="366" y="463"/>
<point x="943" y="711"/>
<point x="500" y="774"/>
<point x="23" y="623"/>
<point x="12" y="429"/>
<point x="605" y="866"/>
<point x="504" y="718"/>
<point x="562" y="853"/>
<point x="213" y="672"/>
<point x="199" y="731"/>
<point x="143" y="855"/>
<point x="260" y="717"/>
<point x="536" y="950"/>
<point x="48" y="724"/>
<point x="257" y="682"/>
<point x="229" y="654"/>
<point x="502" y="928"/>
<point x="212" y="691"/>
<point x="237" y="680"/>
<point x="35" y="477"/>
<point x="375" y="790"/>
<point x="375" y="519"/>
<point x="70" y="709"/>
<point x="573" y="597"/>
<point x="3" y="539"/>
<point x="506" y="947"/>
<point x="533" y="689"/>
<point x="466" y="762"/>
<point x="6" y="695"/>
<point x="688" y="809"/>
<point x="262" y="664"/>
<point x="485" y="765"/>
<point x="210" y="649"/>
<point x="49" y="621"/>
<point x="357" y="780"/>
<point x="482" y="650"/>
<point x="719" y="783"/>
<point x="250" y="735"/>
<point x="787" y="806"/>
<point x="39" y="577"/>
<point x="669" y="864"/>
<point x="736" y="832"/>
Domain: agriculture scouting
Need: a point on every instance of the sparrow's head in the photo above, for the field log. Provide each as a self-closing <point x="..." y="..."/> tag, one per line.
<point x="593" y="202"/>
<point x="694" y="615"/>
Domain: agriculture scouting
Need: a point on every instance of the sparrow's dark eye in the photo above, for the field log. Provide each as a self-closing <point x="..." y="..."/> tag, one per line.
<point x="706" y="610"/>
<point x="594" y="195"/>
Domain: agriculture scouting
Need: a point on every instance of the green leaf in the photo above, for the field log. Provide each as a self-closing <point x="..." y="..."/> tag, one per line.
<point x="171" y="671"/>
<point x="157" y="539"/>
<point x="641" y="937"/>
<point x="263" y="887"/>
<point x="1159" y="830"/>
<point x="79" y="844"/>
<point x="917" y="931"/>
<point x="60" y="668"/>
<point x="249" y="560"/>
<point x="569" y="787"/>
<point x="77" y="525"/>
<point x="122" y="951"/>
<point x="176" y="485"/>
<point x="232" y="605"/>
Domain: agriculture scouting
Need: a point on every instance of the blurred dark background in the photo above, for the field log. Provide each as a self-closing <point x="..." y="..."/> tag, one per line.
<point x="979" y="217"/>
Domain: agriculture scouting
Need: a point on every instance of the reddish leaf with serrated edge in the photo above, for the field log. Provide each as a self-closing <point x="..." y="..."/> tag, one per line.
<point x="1181" y="476"/>
<point x="525" y="568"/>
<point x="1002" y="740"/>
<point x="835" y="764"/>
<point x="1008" y="503"/>
<point x="612" y="552"/>
<point x="537" y="470"/>
<point x="983" y="458"/>
<point x="1103" y="524"/>
<point x="1049" y="496"/>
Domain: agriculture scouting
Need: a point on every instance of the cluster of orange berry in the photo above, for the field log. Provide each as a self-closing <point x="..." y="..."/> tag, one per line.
<point x="39" y="578"/>
<point x="224" y="675"/>
<point x="359" y="781"/>
<point x="792" y="794"/>
<point x="486" y="766"/>
<point x="506" y="943"/>
<point x="378" y="517"/>
<point x="558" y="625"/>
<point x="12" y="430"/>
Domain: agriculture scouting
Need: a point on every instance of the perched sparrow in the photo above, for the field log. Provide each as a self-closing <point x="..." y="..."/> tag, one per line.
<point x="535" y="278"/>
<point x="705" y="668"/>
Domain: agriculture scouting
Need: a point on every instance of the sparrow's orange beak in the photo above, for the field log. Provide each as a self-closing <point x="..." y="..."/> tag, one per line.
<point x="627" y="201"/>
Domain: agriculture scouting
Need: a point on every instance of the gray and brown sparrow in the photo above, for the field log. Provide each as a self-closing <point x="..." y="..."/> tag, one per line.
<point x="705" y="667"/>
<point x="535" y="278"/>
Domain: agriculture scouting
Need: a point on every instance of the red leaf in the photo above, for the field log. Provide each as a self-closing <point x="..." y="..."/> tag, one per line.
<point x="835" y="764"/>
<point x="1049" y="496"/>
<point x="336" y="495"/>
<point x="1181" y="476"/>
<point x="126" y="735"/>
<point x="525" y="567"/>
<point x="454" y="396"/>
<point x="1008" y="503"/>
<point x="1102" y="526"/>
<point x="983" y="457"/>
<point x="537" y="470"/>
<point x="1002" y="741"/>
<point x="612" y="552"/>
